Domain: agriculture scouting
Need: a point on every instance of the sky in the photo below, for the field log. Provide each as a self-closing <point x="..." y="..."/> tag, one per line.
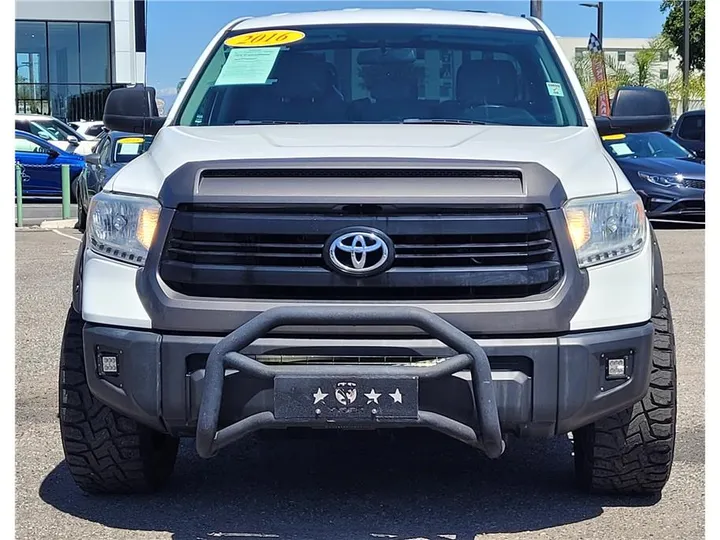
<point x="179" y="30"/>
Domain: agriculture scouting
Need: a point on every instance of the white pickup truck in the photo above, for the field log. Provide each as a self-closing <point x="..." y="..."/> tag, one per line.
<point x="367" y="219"/>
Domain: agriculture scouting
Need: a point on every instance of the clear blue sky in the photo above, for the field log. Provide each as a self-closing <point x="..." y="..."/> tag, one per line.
<point x="179" y="30"/>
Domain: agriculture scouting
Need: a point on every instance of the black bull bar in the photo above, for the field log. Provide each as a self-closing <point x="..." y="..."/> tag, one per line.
<point x="486" y="435"/>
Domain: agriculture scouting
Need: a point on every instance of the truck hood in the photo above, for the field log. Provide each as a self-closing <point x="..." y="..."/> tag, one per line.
<point x="573" y="154"/>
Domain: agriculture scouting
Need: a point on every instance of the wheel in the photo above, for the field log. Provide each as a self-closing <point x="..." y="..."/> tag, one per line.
<point x="105" y="451"/>
<point x="74" y="190"/>
<point x="81" y="217"/>
<point x="631" y="452"/>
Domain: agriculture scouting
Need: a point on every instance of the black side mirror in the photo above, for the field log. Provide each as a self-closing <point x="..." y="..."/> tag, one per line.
<point x="133" y="109"/>
<point x="52" y="153"/>
<point x="93" y="159"/>
<point x="636" y="109"/>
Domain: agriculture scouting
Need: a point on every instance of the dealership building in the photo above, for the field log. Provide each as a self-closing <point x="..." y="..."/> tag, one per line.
<point x="69" y="54"/>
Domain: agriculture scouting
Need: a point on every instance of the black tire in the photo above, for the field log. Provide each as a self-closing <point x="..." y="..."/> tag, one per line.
<point x="631" y="452"/>
<point x="74" y="190"/>
<point x="81" y="217"/>
<point x="105" y="451"/>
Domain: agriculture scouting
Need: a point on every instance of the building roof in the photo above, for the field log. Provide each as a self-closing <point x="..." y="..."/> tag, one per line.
<point x="423" y="16"/>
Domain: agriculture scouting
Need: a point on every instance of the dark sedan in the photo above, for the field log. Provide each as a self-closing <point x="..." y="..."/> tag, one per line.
<point x="669" y="178"/>
<point x="114" y="150"/>
<point x="689" y="132"/>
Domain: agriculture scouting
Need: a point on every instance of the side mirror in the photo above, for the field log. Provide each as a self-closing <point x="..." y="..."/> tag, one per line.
<point x="52" y="153"/>
<point x="72" y="139"/>
<point x="133" y="110"/>
<point x="636" y="109"/>
<point x="93" y="159"/>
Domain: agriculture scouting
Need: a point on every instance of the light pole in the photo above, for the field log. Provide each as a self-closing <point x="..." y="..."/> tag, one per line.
<point x="686" y="53"/>
<point x="536" y="9"/>
<point x="599" y="7"/>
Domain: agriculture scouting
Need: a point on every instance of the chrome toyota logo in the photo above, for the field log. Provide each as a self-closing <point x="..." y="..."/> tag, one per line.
<point x="360" y="252"/>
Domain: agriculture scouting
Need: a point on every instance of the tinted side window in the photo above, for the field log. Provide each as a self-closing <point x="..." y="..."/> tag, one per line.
<point x="104" y="151"/>
<point x="693" y="128"/>
<point x="94" y="131"/>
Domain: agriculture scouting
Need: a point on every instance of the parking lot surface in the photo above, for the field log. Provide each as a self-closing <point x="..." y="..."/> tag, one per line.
<point x="352" y="486"/>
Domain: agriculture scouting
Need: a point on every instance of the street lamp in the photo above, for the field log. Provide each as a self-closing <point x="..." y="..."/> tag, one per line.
<point x="536" y="8"/>
<point x="599" y="7"/>
<point x="686" y="55"/>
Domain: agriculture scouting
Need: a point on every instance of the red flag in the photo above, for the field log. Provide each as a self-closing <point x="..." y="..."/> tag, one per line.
<point x="598" y="67"/>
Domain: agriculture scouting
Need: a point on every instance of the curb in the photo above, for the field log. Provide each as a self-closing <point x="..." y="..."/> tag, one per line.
<point x="59" y="224"/>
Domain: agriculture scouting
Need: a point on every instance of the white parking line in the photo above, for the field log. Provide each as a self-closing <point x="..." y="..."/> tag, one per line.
<point x="67" y="236"/>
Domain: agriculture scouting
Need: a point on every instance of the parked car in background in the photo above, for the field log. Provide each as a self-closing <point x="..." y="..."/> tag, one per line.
<point x="669" y="178"/>
<point x="90" y="130"/>
<point x="55" y="132"/>
<point x="114" y="150"/>
<point x="40" y="164"/>
<point x="689" y="131"/>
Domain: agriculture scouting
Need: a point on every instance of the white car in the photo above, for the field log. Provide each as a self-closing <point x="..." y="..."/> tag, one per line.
<point x="91" y="130"/>
<point x="364" y="219"/>
<point x="55" y="132"/>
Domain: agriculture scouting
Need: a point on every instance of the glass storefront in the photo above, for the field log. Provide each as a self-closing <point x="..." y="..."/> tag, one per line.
<point x="62" y="68"/>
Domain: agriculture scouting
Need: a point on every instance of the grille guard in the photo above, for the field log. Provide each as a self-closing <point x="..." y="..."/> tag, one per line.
<point x="486" y="436"/>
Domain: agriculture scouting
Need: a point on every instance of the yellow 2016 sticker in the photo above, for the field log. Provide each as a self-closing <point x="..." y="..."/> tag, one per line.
<point x="131" y="140"/>
<point x="265" y="38"/>
<point x="618" y="137"/>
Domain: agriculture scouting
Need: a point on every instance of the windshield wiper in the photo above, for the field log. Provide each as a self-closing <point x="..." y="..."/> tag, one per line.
<point x="264" y="122"/>
<point x="444" y="121"/>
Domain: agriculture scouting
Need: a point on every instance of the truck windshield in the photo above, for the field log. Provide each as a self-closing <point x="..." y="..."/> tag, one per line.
<point x="381" y="73"/>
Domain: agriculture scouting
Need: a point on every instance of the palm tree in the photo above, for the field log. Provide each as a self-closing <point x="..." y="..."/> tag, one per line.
<point x="640" y="71"/>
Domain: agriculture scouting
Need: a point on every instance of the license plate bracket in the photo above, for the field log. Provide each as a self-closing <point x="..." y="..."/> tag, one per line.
<point x="353" y="399"/>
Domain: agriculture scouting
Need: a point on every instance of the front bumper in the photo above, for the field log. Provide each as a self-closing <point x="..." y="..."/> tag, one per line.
<point x="667" y="204"/>
<point x="530" y="386"/>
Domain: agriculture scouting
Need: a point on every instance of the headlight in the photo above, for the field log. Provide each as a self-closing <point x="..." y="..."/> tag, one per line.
<point x="122" y="227"/>
<point x="662" y="179"/>
<point x="606" y="228"/>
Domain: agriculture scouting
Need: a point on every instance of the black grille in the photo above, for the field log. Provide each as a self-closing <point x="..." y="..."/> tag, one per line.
<point x="694" y="183"/>
<point x="228" y="252"/>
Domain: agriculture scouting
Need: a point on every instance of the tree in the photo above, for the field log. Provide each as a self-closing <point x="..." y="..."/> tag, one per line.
<point x="674" y="25"/>
<point x="638" y="72"/>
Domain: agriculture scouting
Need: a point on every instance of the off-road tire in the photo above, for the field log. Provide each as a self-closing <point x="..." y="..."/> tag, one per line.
<point x="631" y="452"/>
<point x="105" y="451"/>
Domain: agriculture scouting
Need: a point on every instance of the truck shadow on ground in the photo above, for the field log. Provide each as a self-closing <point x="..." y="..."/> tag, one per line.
<point x="350" y="486"/>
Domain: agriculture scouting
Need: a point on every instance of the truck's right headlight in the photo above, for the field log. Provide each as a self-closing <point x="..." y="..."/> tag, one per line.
<point x="122" y="227"/>
<point x="606" y="228"/>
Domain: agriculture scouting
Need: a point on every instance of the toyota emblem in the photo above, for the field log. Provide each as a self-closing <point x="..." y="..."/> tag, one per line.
<point x="360" y="251"/>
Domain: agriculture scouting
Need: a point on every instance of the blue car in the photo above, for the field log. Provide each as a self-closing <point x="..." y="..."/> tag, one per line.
<point x="40" y="164"/>
<point x="114" y="150"/>
<point x="669" y="178"/>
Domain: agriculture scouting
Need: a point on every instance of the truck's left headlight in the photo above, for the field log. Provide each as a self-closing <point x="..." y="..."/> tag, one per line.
<point x="122" y="227"/>
<point x="606" y="228"/>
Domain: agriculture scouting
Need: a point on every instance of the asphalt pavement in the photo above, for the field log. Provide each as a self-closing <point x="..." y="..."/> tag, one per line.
<point x="349" y="486"/>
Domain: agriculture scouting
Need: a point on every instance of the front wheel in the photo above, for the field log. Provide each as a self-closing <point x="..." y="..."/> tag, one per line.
<point x="105" y="451"/>
<point x="631" y="452"/>
<point x="81" y="217"/>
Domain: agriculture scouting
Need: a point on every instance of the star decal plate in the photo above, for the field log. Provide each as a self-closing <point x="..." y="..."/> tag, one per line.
<point x="313" y="398"/>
